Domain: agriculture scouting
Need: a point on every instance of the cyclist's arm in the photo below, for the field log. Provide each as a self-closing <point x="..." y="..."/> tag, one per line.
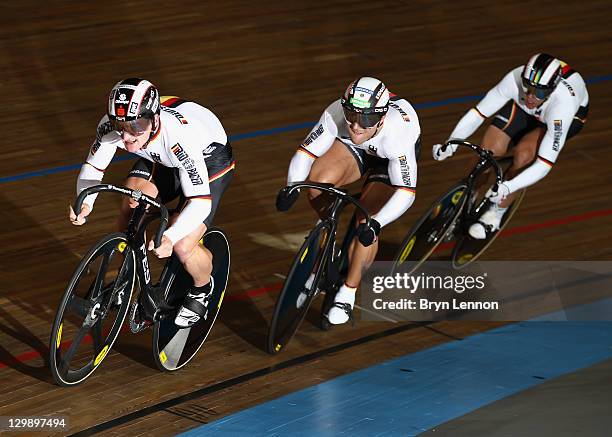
<point x="100" y="155"/>
<point x="317" y="142"/>
<point x="495" y="99"/>
<point x="556" y="132"/>
<point x="403" y="175"/>
<point x="193" y="175"/>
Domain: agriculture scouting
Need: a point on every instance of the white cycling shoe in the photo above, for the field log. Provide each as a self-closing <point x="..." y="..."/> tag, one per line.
<point x="195" y="307"/>
<point x="342" y="309"/>
<point x="489" y="222"/>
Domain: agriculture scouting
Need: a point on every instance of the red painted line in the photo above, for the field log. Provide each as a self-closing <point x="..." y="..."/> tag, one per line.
<point x="272" y="288"/>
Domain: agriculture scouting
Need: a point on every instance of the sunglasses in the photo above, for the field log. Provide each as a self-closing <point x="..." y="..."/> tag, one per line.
<point x="540" y="93"/>
<point x="135" y="127"/>
<point x="366" y="121"/>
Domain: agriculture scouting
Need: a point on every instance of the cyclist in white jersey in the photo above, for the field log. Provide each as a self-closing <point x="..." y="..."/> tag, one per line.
<point x="367" y="130"/>
<point x="184" y="152"/>
<point x="539" y="106"/>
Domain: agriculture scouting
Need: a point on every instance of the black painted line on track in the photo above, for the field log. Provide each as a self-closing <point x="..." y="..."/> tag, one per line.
<point x="242" y="378"/>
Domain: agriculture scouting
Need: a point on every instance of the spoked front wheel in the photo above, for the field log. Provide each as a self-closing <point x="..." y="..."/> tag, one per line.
<point x="174" y="347"/>
<point x="431" y="229"/>
<point x="295" y="297"/>
<point x="92" y="310"/>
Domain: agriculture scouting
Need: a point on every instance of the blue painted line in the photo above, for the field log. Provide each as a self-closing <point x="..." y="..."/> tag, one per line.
<point x="268" y="132"/>
<point x="414" y="393"/>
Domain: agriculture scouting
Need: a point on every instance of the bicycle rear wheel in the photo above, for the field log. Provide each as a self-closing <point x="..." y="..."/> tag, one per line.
<point x="295" y="298"/>
<point x="92" y="310"/>
<point x="431" y="229"/>
<point x="173" y="347"/>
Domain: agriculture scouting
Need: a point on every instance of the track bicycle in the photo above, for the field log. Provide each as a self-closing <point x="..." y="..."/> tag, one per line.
<point x="97" y="299"/>
<point x="451" y="215"/>
<point x="320" y="258"/>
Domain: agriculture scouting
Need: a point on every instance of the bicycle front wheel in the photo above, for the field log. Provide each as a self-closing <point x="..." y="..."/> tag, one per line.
<point x="92" y="310"/>
<point x="295" y="298"/>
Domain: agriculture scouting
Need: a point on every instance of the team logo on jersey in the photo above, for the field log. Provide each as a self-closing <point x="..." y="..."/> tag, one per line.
<point x="177" y="114"/>
<point x="558" y="132"/>
<point x="94" y="147"/>
<point x="569" y="88"/>
<point x="179" y="152"/>
<point x="372" y="149"/>
<point x="104" y="129"/>
<point x="405" y="170"/>
<point x="313" y="135"/>
<point x="400" y="110"/>
<point x="187" y="163"/>
<point x="156" y="157"/>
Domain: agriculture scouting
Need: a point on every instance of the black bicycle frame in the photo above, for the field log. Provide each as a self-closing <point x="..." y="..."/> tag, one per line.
<point x="486" y="160"/>
<point x="341" y="199"/>
<point x="135" y="236"/>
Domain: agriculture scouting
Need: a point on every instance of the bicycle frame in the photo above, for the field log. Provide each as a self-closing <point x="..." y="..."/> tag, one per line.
<point x="136" y="241"/>
<point x="342" y="198"/>
<point x="486" y="160"/>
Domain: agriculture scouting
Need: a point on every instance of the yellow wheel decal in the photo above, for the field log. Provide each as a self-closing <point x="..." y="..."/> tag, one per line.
<point x="456" y="197"/>
<point x="278" y="347"/>
<point x="58" y="340"/>
<point x="121" y="246"/>
<point x="162" y="357"/>
<point x="221" y="300"/>
<point x="407" y="249"/>
<point x="465" y="258"/>
<point x="101" y="355"/>
<point x="303" y="256"/>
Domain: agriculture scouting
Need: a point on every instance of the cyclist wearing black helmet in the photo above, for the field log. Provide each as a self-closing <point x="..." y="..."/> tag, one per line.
<point x="183" y="151"/>
<point x="538" y="107"/>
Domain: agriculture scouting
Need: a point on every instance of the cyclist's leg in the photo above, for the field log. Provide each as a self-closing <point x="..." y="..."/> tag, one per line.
<point x="340" y="165"/>
<point x="376" y="192"/>
<point x="523" y="154"/>
<point x="197" y="259"/>
<point x="139" y="178"/>
<point x="373" y="198"/>
<point x="498" y="135"/>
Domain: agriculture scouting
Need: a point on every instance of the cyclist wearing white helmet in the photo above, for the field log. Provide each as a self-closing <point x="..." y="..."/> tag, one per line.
<point x="184" y="152"/>
<point x="371" y="131"/>
<point x="538" y="107"/>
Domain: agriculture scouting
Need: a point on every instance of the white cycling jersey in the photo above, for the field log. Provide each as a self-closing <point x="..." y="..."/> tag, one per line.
<point x="188" y="134"/>
<point x="394" y="141"/>
<point x="557" y="113"/>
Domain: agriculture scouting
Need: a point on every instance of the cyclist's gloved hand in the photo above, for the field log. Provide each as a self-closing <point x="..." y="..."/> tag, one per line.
<point x="440" y="154"/>
<point x="500" y="195"/>
<point x="368" y="234"/>
<point x="284" y="200"/>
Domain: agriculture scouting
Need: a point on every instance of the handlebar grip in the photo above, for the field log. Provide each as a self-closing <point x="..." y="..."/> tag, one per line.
<point x="134" y="194"/>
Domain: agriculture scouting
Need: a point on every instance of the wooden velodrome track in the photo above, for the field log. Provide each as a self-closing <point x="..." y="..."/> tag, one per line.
<point x="260" y="66"/>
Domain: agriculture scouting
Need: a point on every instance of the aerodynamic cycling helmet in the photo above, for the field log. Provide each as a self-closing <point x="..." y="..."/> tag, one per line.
<point x="541" y="75"/>
<point x="365" y="101"/>
<point x="131" y="103"/>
